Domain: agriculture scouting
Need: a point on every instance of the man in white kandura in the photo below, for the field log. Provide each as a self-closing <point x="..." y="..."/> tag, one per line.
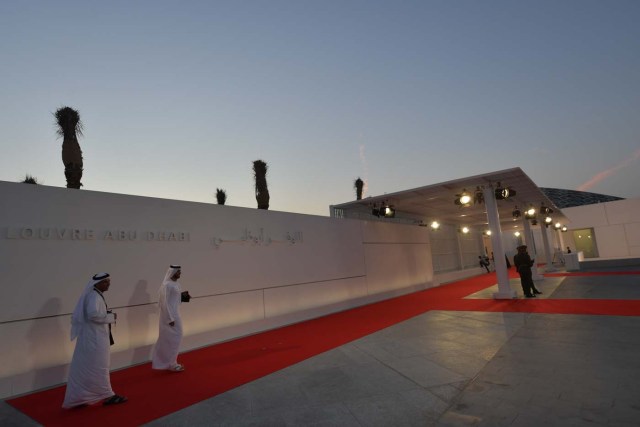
<point x="165" y="352"/>
<point x="91" y="321"/>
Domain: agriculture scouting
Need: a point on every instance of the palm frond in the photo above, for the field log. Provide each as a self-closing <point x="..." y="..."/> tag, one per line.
<point x="68" y="120"/>
<point x="259" y="168"/>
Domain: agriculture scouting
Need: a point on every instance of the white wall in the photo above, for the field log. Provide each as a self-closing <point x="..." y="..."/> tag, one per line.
<point x="248" y="270"/>
<point x="616" y="226"/>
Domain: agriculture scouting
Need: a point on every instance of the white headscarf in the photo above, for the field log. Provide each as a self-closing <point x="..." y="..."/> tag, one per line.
<point x="78" y="317"/>
<point x="173" y="269"/>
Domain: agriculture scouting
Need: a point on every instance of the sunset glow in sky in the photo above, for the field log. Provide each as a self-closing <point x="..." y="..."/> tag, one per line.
<point x="179" y="98"/>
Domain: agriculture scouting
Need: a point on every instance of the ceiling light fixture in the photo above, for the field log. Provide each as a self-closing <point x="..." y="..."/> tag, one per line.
<point x="463" y="199"/>
<point x="502" y="193"/>
<point x="545" y="210"/>
<point x="530" y="213"/>
<point x="516" y="213"/>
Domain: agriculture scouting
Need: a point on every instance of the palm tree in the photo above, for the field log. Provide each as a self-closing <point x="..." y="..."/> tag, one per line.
<point x="69" y="128"/>
<point x="28" y="179"/>
<point x="260" y="176"/>
<point x="359" y="184"/>
<point x="221" y="196"/>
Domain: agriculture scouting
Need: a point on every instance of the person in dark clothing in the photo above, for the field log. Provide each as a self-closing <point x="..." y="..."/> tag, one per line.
<point x="523" y="263"/>
<point x="484" y="262"/>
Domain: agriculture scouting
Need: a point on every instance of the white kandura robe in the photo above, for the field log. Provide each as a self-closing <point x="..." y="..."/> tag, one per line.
<point x="89" y="371"/>
<point x="165" y="352"/>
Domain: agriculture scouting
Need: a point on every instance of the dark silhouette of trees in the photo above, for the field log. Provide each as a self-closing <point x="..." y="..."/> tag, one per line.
<point x="221" y="196"/>
<point x="69" y="128"/>
<point x="262" y="191"/>
<point x="28" y="179"/>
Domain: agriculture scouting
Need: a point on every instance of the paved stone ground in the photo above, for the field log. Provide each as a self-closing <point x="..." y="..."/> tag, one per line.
<point x="447" y="368"/>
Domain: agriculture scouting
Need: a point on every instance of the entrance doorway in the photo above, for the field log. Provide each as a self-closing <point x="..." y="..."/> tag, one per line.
<point x="585" y="240"/>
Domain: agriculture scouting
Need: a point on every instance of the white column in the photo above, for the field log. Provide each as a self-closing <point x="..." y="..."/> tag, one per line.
<point x="531" y="248"/>
<point x="459" y="245"/>
<point x="504" y="288"/>
<point x="560" y="240"/>
<point x="560" y="244"/>
<point x="547" y="249"/>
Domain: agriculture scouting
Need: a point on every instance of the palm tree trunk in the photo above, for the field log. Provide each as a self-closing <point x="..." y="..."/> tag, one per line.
<point x="359" y="184"/>
<point x="69" y="127"/>
<point x="262" y="191"/>
<point x="72" y="159"/>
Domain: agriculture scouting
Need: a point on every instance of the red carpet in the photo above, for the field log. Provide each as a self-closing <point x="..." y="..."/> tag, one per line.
<point x="216" y="369"/>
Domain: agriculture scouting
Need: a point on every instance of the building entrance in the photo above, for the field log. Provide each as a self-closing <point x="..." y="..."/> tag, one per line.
<point x="585" y="240"/>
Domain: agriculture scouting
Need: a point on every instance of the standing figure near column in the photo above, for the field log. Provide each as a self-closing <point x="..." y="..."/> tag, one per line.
<point x="165" y="352"/>
<point x="91" y="321"/>
<point x="523" y="263"/>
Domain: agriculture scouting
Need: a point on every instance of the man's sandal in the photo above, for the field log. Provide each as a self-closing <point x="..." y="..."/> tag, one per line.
<point x="178" y="368"/>
<point x="114" y="400"/>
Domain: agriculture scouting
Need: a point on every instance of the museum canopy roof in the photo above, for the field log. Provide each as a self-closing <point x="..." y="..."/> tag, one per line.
<point x="436" y="202"/>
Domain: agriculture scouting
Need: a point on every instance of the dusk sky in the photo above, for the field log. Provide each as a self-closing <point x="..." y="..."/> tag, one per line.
<point x="179" y="98"/>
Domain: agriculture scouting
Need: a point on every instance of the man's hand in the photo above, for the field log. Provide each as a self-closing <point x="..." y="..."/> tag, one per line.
<point x="172" y="323"/>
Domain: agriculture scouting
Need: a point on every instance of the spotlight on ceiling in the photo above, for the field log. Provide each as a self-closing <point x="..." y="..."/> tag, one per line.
<point x="564" y="229"/>
<point x="463" y="199"/>
<point x="548" y="220"/>
<point x="389" y="211"/>
<point x="545" y="210"/>
<point x="534" y="221"/>
<point x="464" y="230"/>
<point x="517" y="234"/>
<point x="487" y="233"/>
<point x="530" y="213"/>
<point x="502" y="193"/>
<point x="557" y="226"/>
<point x="435" y="225"/>
<point x="516" y="213"/>
<point x="375" y="211"/>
